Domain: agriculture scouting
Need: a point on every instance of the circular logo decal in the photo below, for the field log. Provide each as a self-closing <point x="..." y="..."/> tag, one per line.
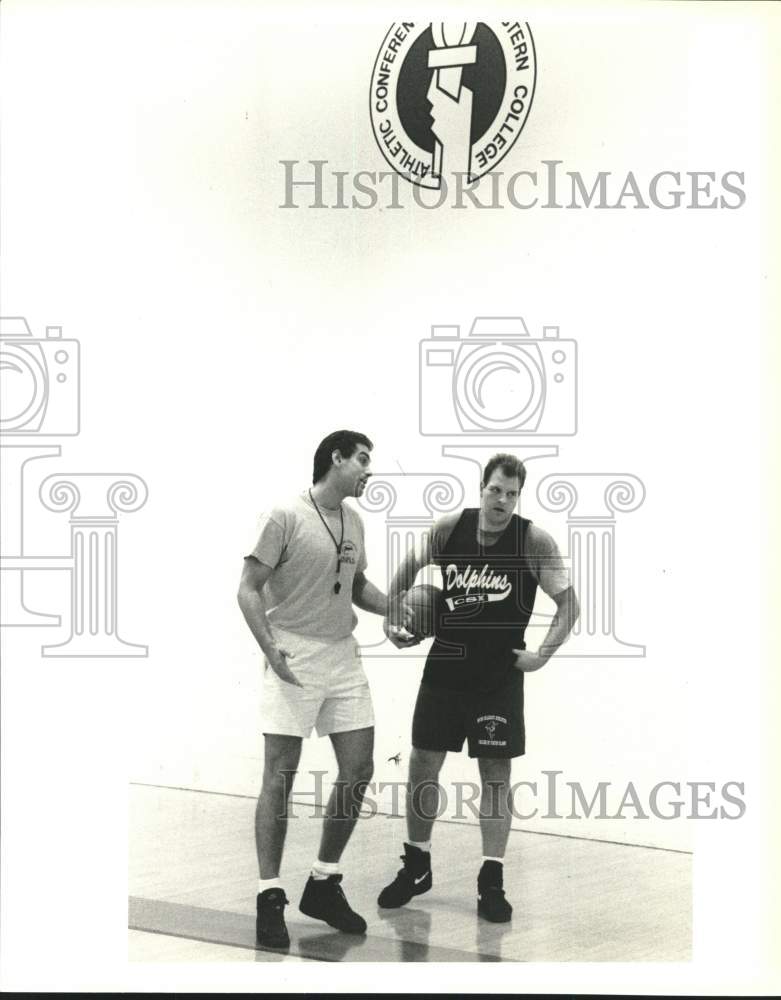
<point x="451" y="97"/>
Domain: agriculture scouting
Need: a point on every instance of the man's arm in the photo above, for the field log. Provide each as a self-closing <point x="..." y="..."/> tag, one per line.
<point x="365" y="594"/>
<point x="398" y="615"/>
<point x="368" y="597"/>
<point x="410" y="566"/>
<point x="553" y="579"/>
<point x="371" y="598"/>
<point x="567" y="613"/>
<point x="253" y="607"/>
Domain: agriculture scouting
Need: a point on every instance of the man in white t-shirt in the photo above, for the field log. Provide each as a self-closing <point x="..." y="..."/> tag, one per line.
<point x="298" y="588"/>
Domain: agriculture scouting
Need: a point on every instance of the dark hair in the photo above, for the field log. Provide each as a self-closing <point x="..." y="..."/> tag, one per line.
<point x="345" y="442"/>
<point x="509" y="465"/>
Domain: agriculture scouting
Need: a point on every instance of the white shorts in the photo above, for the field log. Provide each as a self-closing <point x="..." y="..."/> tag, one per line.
<point x="335" y="696"/>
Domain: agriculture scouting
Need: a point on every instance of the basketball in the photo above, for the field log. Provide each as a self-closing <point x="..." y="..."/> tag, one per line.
<point x="424" y="600"/>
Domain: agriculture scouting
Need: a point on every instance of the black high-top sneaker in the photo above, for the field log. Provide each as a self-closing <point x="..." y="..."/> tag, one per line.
<point x="491" y="903"/>
<point x="412" y="880"/>
<point x="324" y="899"/>
<point x="270" y="929"/>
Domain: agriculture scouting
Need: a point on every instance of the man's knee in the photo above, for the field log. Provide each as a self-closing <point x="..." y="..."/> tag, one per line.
<point x="280" y="765"/>
<point x="357" y="773"/>
<point x="494" y="770"/>
<point x="277" y="781"/>
<point x="426" y="764"/>
<point x="495" y="780"/>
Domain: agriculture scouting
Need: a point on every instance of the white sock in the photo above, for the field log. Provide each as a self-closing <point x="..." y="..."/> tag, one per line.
<point x="422" y="845"/>
<point x="500" y="860"/>
<point x="268" y="883"/>
<point x="322" y="869"/>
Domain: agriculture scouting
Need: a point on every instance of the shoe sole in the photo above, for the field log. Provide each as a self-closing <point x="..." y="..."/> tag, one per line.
<point x="494" y="920"/>
<point x="325" y="920"/>
<point x="417" y="891"/>
<point x="276" y="943"/>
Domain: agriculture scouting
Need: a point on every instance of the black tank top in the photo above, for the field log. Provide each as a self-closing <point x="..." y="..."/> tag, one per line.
<point x="487" y="599"/>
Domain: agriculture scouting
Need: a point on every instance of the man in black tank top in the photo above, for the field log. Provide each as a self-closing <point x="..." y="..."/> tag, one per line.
<point x="488" y="591"/>
<point x="492" y="562"/>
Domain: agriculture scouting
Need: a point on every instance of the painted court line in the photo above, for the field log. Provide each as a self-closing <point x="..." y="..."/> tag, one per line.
<point x="444" y="819"/>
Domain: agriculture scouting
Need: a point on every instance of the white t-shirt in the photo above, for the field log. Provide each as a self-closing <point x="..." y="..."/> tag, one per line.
<point x="299" y="593"/>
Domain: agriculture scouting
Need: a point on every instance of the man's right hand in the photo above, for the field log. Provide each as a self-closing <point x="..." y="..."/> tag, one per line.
<point x="399" y="635"/>
<point x="277" y="659"/>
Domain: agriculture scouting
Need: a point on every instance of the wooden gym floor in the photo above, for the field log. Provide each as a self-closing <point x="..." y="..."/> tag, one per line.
<point x="193" y="881"/>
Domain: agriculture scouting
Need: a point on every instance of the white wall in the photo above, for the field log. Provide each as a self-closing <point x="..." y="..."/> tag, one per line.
<point x="222" y="337"/>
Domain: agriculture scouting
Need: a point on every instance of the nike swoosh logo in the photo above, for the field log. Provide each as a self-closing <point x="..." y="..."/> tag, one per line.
<point x="419" y="880"/>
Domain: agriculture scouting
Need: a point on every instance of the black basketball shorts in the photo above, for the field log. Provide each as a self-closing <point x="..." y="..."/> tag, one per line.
<point x="490" y="721"/>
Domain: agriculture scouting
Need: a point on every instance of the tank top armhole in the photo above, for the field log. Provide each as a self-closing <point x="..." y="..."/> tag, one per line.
<point x="438" y="533"/>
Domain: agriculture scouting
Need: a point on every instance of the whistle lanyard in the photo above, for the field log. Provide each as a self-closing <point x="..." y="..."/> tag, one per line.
<point x="338" y="545"/>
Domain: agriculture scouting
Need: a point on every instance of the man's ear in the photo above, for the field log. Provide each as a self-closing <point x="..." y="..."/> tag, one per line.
<point x="334" y="455"/>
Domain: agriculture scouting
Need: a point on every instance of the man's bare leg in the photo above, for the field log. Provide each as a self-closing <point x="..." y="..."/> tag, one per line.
<point x="354" y="756"/>
<point x="495" y="814"/>
<point x="423" y="792"/>
<point x="282" y="754"/>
